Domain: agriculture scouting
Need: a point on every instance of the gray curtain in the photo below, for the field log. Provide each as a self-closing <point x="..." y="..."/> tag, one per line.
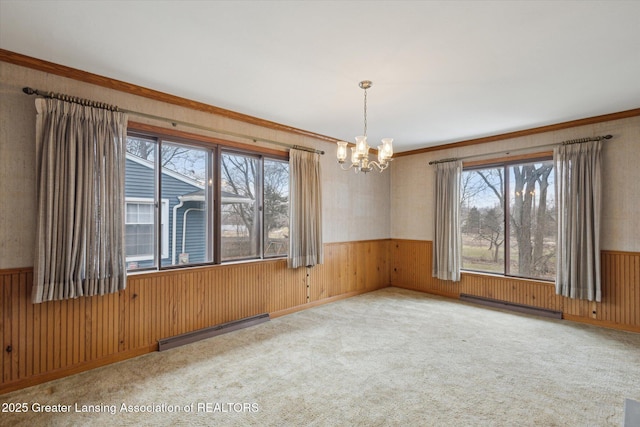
<point x="80" y="189"/>
<point x="578" y="203"/>
<point x="305" y="210"/>
<point x="447" y="239"/>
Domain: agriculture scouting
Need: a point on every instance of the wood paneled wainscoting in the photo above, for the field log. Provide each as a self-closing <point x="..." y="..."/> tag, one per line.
<point x="411" y="268"/>
<point x="41" y="342"/>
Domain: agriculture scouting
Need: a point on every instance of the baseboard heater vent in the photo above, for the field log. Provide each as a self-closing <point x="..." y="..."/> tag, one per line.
<point x="520" y="308"/>
<point x="200" y="334"/>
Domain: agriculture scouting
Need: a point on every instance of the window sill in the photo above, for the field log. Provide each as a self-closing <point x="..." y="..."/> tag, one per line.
<point x="504" y="276"/>
<point x="181" y="268"/>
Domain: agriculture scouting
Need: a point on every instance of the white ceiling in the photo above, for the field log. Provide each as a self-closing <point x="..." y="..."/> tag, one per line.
<point x="442" y="71"/>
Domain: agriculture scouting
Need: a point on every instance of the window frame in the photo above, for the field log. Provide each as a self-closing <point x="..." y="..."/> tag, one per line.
<point x="264" y="235"/>
<point x="216" y="148"/>
<point x="259" y="202"/>
<point x="209" y="250"/>
<point x="505" y="163"/>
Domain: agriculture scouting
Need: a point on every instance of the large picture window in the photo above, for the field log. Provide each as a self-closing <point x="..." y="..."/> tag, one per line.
<point x="508" y="218"/>
<point x="203" y="204"/>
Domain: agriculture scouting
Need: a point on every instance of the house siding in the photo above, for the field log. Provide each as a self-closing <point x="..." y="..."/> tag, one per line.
<point x="139" y="183"/>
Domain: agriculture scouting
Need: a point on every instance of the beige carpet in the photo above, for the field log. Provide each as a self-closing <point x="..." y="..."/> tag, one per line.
<point x="390" y="357"/>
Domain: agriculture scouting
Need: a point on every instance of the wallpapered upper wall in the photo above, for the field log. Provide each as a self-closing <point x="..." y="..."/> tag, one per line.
<point x="354" y="207"/>
<point x="412" y="181"/>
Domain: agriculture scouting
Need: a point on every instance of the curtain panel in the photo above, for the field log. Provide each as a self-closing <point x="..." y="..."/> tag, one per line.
<point x="578" y="194"/>
<point x="80" y="201"/>
<point x="305" y="210"/>
<point x="447" y="255"/>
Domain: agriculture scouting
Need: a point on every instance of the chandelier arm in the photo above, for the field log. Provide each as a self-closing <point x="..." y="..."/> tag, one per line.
<point x="345" y="169"/>
<point x="378" y="165"/>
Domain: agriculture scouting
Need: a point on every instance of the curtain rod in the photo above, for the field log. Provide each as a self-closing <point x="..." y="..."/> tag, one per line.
<point x="90" y="103"/>
<point x="568" y="142"/>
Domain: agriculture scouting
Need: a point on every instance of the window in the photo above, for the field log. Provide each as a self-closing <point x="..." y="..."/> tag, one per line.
<point x="184" y="178"/>
<point x="205" y="204"/>
<point x="508" y="219"/>
<point x="140" y="231"/>
<point x="276" y="207"/>
<point x="250" y="222"/>
<point x="240" y="206"/>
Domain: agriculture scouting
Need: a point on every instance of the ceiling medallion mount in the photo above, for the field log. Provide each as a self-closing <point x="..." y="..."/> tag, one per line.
<point x="366" y="84"/>
<point x="360" y="153"/>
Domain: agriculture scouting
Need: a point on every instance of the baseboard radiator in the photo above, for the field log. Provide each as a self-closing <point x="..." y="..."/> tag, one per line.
<point x="520" y="308"/>
<point x="200" y="334"/>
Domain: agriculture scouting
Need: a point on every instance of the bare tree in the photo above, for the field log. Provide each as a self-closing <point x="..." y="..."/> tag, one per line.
<point x="492" y="230"/>
<point x="239" y="178"/>
<point x="494" y="180"/>
<point x="492" y="226"/>
<point x="541" y="259"/>
<point x="140" y="148"/>
<point x="470" y="189"/>
<point x="529" y="235"/>
<point x="178" y="158"/>
<point x="276" y="195"/>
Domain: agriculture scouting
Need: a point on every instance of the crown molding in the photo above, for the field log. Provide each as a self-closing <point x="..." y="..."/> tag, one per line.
<point x="549" y="128"/>
<point x="87" y="77"/>
<point x="95" y="79"/>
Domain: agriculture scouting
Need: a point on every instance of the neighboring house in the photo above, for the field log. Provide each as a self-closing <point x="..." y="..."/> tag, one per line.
<point x="181" y="213"/>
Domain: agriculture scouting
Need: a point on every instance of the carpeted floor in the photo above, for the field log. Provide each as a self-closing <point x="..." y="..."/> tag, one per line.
<point x="390" y="357"/>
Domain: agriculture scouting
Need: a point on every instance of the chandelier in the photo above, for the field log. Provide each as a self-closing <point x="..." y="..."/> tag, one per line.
<point x="360" y="153"/>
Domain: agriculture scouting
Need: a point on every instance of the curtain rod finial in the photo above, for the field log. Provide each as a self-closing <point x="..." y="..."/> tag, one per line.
<point x="28" y="90"/>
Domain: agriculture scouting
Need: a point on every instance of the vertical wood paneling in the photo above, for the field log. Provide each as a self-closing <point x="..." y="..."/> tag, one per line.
<point x="62" y="344"/>
<point x="6" y="327"/>
<point x="15" y="326"/>
<point x="36" y="343"/>
<point x="377" y="272"/>
<point x="620" y="306"/>
<point x="22" y="327"/>
<point x="621" y="288"/>
<point x="334" y="275"/>
<point x="350" y="267"/>
<point x="411" y="268"/>
<point x="48" y="329"/>
<point x="50" y="337"/>
<point x="288" y="290"/>
<point x="28" y="326"/>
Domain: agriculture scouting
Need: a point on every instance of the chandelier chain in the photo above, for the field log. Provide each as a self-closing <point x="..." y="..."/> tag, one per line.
<point x="365" y="112"/>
